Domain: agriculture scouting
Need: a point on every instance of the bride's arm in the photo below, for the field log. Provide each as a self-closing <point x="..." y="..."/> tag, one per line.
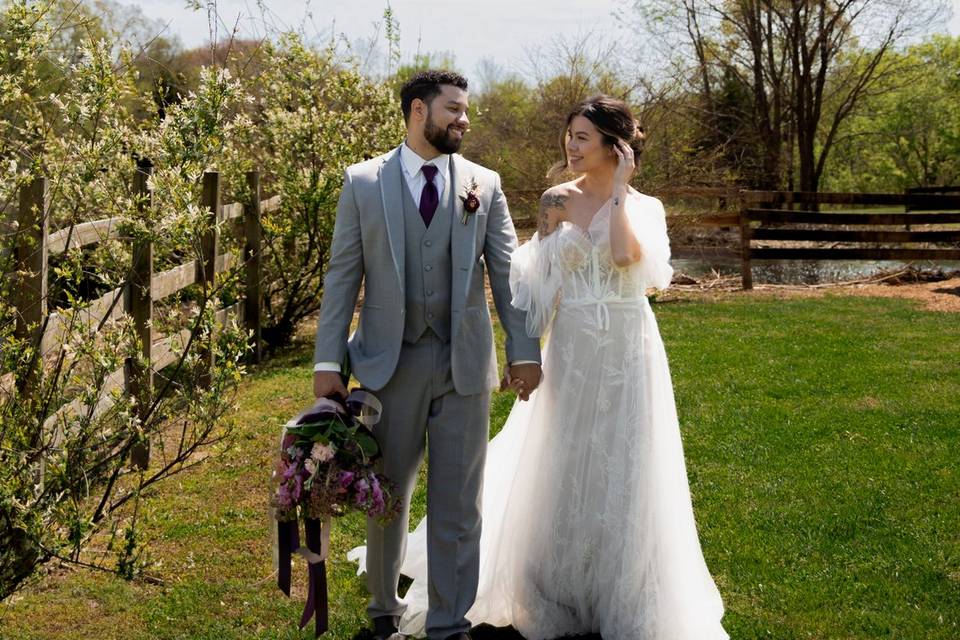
<point x="552" y="210"/>
<point x="534" y="282"/>
<point x="624" y="247"/>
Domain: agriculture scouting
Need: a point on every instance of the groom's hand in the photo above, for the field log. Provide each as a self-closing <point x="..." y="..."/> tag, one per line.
<point x="523" y="377"/>
<point x="328" y="383"/>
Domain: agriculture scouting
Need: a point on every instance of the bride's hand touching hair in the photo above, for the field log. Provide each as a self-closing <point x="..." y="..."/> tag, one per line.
<point x="626" y="164"/>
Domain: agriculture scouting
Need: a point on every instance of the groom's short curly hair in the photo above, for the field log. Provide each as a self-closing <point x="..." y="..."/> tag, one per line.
<point x="426" y="86"/>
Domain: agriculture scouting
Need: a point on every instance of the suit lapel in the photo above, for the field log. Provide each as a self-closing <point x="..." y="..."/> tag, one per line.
<point x="461" y="238"/>
<point x="391" y="194"/>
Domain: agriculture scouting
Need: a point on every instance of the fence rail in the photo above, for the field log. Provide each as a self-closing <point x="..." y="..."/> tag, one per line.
<point x="763" y="219"/>
<point x="35" y="243"/>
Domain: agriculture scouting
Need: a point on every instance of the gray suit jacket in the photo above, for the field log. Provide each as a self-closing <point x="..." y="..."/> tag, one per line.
<point x="368" y="247"/>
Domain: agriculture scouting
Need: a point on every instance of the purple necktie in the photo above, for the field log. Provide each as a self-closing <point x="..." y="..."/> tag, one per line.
<point x="429" y="198"/>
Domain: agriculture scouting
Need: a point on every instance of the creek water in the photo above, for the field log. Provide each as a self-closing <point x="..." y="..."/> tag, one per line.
<point x="800" y="271"/>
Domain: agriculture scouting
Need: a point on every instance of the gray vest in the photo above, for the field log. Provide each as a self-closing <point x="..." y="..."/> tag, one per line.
<point x="427" y="267"/>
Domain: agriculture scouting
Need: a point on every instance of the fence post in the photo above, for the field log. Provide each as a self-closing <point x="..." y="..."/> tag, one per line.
<point x="251" y="254"/>
<point x="140" y="308"/>
<point x="33" y="228"/>
<point x="907" y="204"/>
<point x="207" y="265"/>
<point x="746" y="272"/>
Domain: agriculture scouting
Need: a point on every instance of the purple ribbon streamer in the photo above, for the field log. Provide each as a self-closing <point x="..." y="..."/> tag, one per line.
<point x="317" y="597"/>
<point x="288" y="537"/>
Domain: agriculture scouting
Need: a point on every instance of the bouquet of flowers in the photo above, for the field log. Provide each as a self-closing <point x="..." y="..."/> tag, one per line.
<point x="326" y="469"/>
<point x="326" y="464"/>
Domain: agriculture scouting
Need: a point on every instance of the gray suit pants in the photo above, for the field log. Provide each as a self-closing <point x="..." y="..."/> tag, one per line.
<point x="422" y="410"/>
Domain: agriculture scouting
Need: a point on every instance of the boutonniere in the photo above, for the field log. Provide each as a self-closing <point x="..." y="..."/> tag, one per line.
<point x="470" y="199"/>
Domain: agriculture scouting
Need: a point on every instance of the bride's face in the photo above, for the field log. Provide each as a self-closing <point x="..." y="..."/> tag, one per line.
<point x="586" y="149"/>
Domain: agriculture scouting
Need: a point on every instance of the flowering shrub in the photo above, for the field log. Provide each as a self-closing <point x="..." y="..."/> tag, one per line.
<point x="312" y="115"/>
<point x="65" y="476"/>
<point x="74" y="111"/>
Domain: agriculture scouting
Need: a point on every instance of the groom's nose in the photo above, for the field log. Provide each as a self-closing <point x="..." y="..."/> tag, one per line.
<point x="463" y="120"/>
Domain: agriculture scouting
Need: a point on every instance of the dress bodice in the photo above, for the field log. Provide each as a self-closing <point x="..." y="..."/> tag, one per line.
<point x="588" y="273"/>
<point x="573" y="266"/>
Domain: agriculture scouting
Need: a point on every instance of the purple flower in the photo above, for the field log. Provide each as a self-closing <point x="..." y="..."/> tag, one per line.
<point x="361" y="487"/>
<point x="471" y="203"/>
<point x="297" y="488"/>
<point x="290" y="470"/>
<point x="379" y="503"/>
<point x="284" y="499"/>
<point x="346" y="479"/>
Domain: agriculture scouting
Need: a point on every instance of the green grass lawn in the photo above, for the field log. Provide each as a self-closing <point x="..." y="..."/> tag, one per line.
<point x="821" y="437"/>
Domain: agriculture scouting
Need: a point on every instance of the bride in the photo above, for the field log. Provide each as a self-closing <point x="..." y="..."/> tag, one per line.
<point x="587" y="521"/>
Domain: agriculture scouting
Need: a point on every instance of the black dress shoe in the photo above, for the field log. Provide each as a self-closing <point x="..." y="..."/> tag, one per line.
<point x="386" y="627"/>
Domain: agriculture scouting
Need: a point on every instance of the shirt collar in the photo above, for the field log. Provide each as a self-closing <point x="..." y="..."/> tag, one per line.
<point x="412" y="162"/>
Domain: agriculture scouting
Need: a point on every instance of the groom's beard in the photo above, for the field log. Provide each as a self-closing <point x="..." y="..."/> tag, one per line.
<point x="443" y="140"/>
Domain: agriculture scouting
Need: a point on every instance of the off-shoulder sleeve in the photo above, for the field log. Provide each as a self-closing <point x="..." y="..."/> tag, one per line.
<point x="535" y="281"/>
<point x="649" y="224"/>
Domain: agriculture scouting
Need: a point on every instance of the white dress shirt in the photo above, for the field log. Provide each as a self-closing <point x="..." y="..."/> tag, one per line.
<point x="412" y="165"/>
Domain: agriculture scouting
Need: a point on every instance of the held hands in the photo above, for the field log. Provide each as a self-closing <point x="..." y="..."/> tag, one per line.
<point x="522" y="378"/>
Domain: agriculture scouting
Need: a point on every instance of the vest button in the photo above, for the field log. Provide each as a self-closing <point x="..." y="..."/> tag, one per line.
<point x="429" y="316"/>
<point x="428" y="268"/>
<point x="428" y="243"/>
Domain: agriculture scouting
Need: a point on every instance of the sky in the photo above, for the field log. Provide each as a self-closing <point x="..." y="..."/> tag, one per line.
<point x="498" y="30"/>
<point x="502" y="31"/>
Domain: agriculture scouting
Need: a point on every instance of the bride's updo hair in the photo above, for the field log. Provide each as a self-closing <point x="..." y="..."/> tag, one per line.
<point x="612" y="118"/>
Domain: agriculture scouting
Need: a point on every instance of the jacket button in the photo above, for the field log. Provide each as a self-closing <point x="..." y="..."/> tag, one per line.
<point x="428" y="268"/>
<point x="428" y="243"/>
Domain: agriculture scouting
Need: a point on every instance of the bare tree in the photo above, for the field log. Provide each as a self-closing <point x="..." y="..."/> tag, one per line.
<point x="806" y="64"/>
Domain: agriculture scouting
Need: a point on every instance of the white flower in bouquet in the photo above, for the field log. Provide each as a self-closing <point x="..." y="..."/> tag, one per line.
<point x="322" y="452"/>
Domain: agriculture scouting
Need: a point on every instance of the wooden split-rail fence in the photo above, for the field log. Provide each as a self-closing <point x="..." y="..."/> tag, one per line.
<point x="927" y="227"/>
<point x="46" y="330"/>
<point x="919" y="224"/>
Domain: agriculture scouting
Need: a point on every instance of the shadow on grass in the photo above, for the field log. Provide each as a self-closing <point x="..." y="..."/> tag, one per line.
<point x="955" y="291"/>
<point x="486" y="632"/>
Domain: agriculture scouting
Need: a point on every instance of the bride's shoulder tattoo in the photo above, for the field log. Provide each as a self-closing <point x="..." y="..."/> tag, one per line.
<point x="549" y="201"/>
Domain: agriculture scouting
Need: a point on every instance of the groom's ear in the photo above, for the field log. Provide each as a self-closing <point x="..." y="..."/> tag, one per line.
<point x="419" y="109"/>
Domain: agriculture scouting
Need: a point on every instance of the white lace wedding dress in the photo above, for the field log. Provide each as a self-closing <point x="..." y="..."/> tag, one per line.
<point x="587" y="521"/>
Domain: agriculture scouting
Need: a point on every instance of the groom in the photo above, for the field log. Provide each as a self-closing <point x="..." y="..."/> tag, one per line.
<point x="418" y="226"/>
